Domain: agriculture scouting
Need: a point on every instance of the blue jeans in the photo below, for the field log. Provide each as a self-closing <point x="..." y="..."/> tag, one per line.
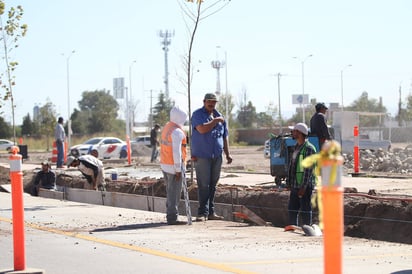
<point x="173" y="190"/>
<point x="60" y="153"/>
<point x="207" y="175"/>
<point x="154" y="153"/>
<point x="300" y="205"/>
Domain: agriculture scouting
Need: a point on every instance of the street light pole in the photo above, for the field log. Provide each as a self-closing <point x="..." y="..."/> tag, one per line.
<point x="130" y="131"/>
<point x="303" y="84"/>
<point x="227" y="95"/>
<point x="226" y="91"/>
<point x="68" y="99"/>
<point x="280" y="113"/>
<point x="341" y="83"/>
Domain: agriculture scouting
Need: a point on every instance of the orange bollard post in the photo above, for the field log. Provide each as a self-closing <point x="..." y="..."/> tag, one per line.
<point x="129" y="150"/>
<point x="16" y="178"/>
<point x="356" y="149"/>
<point x="54" y="153"/>
<point x="332" y="208"/>
<point x="65" y="151"/>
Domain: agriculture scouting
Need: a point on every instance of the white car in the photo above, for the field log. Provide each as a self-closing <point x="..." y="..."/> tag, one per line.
<point x="143" y="140"/>
<point x="5" y="144"/>
<point x="108" y="147"/>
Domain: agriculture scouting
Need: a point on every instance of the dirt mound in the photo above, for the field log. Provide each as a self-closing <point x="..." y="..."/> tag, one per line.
<point x="366" y="216"/>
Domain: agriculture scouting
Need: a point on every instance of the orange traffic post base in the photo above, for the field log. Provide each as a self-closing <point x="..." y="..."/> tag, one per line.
<point x="54" y="153"/>
<point x="356" y="149"/>
<point x="65" y="151"/>
<point x="129" y="150"/>
<point x="332" y="207"/>
<point x="332" y="199"/>
<point x="16" y="178"/>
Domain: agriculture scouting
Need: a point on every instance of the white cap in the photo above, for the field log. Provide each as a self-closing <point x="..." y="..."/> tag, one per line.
<point x="70" y="160"/>
<point x="301" y="127"/>
<point x="178" y="116"/>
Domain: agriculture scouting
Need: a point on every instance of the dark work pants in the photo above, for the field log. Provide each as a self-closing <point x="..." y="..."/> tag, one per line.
<point x="300" y="205"/>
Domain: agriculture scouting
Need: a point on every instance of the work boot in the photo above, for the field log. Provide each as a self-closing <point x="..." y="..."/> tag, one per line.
<point x="176" y="222"/>
<point x="215" y="217"/>
<point x="201" y="218"/>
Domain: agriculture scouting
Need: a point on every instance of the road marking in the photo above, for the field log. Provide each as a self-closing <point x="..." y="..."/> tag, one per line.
<point x="221" y="267"/>
<point x="224" y="266"/>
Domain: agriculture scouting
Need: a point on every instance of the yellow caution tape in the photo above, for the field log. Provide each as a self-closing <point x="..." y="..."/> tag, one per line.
<point x="330" y="155"/>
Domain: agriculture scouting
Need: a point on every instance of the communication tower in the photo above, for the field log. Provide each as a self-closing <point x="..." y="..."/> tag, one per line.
<point x="166" y="40"/>
<point x="216" y="64"/>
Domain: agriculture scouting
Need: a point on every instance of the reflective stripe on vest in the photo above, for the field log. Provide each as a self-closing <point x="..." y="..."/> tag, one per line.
<point x="166" y="147"/>
<point x="299" y="167"/>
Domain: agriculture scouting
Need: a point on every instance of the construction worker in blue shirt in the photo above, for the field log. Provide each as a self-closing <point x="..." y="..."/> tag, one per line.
<point x="209" y="142"/>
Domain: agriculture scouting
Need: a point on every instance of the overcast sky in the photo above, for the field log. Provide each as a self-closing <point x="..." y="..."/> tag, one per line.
<point x="260" y="39"/>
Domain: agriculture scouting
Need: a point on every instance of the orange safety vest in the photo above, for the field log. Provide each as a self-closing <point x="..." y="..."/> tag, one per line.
<point x="166" y="148"/>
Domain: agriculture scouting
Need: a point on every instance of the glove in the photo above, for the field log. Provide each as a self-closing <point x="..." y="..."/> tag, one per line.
<point x="301" y="192"/>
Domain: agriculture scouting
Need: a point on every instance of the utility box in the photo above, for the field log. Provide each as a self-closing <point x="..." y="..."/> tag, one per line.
<point x="23" y="151"/>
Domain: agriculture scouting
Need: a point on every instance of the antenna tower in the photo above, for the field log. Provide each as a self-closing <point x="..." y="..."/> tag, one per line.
<point x="216" y="64"/>
<point x="166" y="40"/>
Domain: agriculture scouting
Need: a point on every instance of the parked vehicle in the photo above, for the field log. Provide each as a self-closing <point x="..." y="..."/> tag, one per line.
<point x="137" y="143"/>
<point x="5" y="144"/>
<point x="144" y="140"/>
<point x="366" y="143"/>
<point x="108" y="147"/>
<point x="280" y="152"/>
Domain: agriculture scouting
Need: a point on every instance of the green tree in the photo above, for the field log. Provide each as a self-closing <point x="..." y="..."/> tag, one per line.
<point x="195" y="13"/>
<point x="161" y="111"/>
<point x="247" y="116"/>
<point x="47" y="122"/>
<point x="221" y="106"/>
<point x="264" y="120"/>
<point x="97" y="114"/>
<point x="297" y="117"/>
<point x="5" y="129"/>
<point x="364" y="104"/>
<point x="10" y="33"/>
<point x="28" y="127"/>
<point x="405" y="114"/>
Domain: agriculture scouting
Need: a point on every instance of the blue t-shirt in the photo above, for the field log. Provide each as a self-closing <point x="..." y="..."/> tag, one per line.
<point x="210" y="144"/>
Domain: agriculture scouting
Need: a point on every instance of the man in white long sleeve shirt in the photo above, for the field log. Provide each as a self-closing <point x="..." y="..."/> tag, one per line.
<point x="172" y="161"/>
<point x="91" y="167"/>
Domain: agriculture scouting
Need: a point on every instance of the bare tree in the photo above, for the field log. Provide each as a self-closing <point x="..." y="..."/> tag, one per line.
<point x="195" y="12"/>
<point x="10" y="33"/>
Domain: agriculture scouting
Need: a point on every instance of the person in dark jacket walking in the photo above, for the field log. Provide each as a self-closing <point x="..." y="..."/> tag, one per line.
<point x="154" y="142"/>
<point x="300" y="180"/>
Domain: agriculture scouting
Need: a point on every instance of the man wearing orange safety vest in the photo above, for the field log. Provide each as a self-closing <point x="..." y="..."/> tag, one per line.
<point x="172" y="162"/>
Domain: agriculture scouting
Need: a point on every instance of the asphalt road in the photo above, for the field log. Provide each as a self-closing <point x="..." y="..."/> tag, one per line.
<point x="68" y="237"/>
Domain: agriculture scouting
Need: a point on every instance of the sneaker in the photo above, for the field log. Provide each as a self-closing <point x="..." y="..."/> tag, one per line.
<point x="176" y="222"/>
<point x="215" y="217"/>
<point x="201" y="218"/>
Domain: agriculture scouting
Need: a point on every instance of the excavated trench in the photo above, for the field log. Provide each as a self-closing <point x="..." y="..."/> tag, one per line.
<point x="374" y="216"/>
<point x="365" y="216"/>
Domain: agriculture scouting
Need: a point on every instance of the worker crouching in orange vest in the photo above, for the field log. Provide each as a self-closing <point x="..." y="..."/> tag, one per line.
<point x="173" y="161"/>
